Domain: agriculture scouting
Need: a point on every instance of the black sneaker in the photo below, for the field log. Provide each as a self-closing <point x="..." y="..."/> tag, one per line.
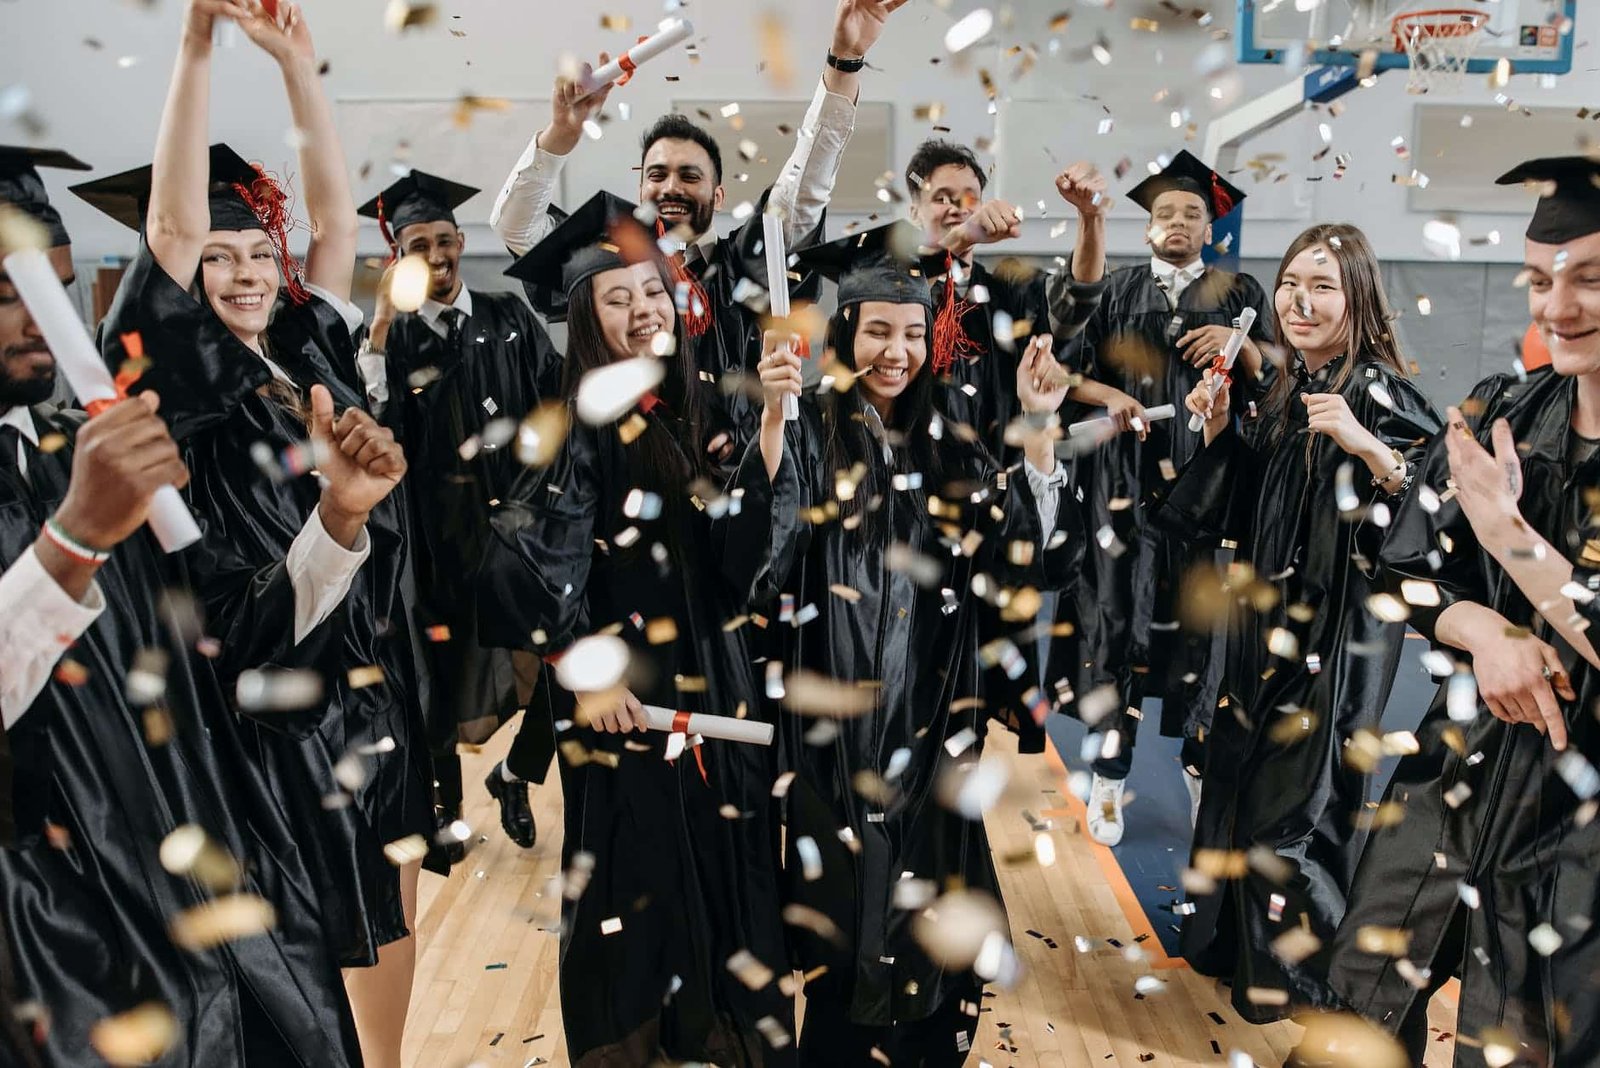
<point x="516" y="816"/>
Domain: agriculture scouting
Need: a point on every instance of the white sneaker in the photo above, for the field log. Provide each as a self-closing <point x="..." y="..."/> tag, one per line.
<point x="1105" y="811"/>
<point x="1193" y="783"/>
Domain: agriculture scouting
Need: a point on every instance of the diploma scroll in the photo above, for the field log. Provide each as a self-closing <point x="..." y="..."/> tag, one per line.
<point x="722" y="728"/>
<point x="1106" y="424"/>
<point x="35" y="280"/>
<point x="668" y="37"/>
<point x="778" y="287"/>
<point x="1223" y="364"/>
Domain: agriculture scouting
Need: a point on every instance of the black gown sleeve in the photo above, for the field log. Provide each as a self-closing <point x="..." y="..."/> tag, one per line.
<point x="535" y="568"/>
<point x="1071" y="304"/>
<point x="1406" y="424"/>
<point x="1430" y="538"/>
<point x="764" y="541"/>
<point x="1215" y="493"/>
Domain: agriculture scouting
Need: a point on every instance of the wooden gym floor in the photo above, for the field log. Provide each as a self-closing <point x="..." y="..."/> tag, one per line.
<point x="485" y="991"/>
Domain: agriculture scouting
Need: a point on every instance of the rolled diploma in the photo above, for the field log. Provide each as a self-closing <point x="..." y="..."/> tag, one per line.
<point x="1105" y="422"/>
<point x="224" y="33"/>
<point x="87" y="374"/>
<point x="670" y="36"/>
<point x="778" y="287"/>
<point x="723" y="728"/>
<point x="1230" y="353"/>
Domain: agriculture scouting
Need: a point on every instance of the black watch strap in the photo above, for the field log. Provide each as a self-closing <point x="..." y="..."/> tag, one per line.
<point x="846" y="66"/>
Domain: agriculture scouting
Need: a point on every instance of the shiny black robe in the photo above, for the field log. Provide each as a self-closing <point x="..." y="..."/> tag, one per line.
<point x="439" y="402"/>
<point x="1130" y="604"/>
<point x="1275" y="776"/>
<point x="87" y="904"/>
<point x="250" y="511"/>
<point x="686" y="859"/>
<point x="1524" y="836"/>
<point x="919" y="648"/>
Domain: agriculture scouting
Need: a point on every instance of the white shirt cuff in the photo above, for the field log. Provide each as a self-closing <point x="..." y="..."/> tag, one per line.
<point x="1046" y="493"/>
<point x="353" y="316"/>
<point x="805" y="184"/>
<point x="38" y="621"/>
<point x="373" y="367"/>
<point x="321" y="571"/>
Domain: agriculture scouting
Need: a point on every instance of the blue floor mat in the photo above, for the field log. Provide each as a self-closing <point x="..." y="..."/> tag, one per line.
<point x="1155" y="847"/>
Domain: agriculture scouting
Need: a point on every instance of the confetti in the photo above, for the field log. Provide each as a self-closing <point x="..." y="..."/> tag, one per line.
<point x="606" y="393"/>
<point x="969" y="31"/>
<point x="225" y="919"/>
<point x="410" y="282"/>
<point x="402" y="15"/>
<point x="142" y="1035"/>
<point x="188" y="852"/>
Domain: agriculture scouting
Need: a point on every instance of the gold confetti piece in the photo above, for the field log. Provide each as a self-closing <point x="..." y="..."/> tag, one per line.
<point x="58" y="836"/>
<point x="188" y="851"/>
<point x="1221" y="863"/>
<point x="438" y="633"/>
<point x="749" y="970"/>
<point x="775" y="59"/>
<point x="1295" y="945"/>
<point x="364" y="676"/>
<point x="959" y="926"/>
<point x="139" y="1036"/>
<point x="225" y="919"/>
<point x="1145" y="25"/>
<point x="1266" y="995"/>
<point x="157" y="727"/>
<point x="661" y="631"/>
<point x="1344" y="1040"/>
<point x="1383" y="941"/>
<point x="930" y="112"/>
<point x="810" y="694"/>
<point x="407" y="850"/>
<point x="71" y="673"/>
<point x="619" y="23"/>
<point x="19" y="230"/>
<point x="845" y="592"/>
<point x="1059" y="21"/>
<point x="402" y="15"/>
<point x="468" y="106"/>
<point x="1388" y="608"/>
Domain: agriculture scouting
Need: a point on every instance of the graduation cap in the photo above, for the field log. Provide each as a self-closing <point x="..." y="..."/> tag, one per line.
<point x="888" y="263"/>
<point x="1188" y="175"/>
<point x="601" y="235"/>
<point x="1569" y="204"/>
<point x="23" y="189"/>
<point x="892" y="264"/>
<point x="241" y="196"/>
<point x="419" y="197"/>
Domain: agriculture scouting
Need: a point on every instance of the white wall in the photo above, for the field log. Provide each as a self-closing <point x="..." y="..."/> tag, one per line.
<point x="108" y="113"/>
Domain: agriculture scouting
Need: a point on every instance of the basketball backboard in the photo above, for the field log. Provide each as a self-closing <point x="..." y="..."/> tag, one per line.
<point x="1536" y="36"/>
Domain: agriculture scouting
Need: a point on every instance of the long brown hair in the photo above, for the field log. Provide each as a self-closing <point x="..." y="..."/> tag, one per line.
<point x="1368" y="317"/>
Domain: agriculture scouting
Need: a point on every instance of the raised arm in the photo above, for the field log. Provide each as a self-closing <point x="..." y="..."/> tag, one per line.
<point x="520" y="216"/>
<point x="178" y="219"/>
<point x="329" y="205"/>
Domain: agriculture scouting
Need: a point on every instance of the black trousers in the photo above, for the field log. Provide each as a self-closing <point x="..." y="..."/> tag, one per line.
<point x="830" y="1039"/>
<point x="1117" y="767"/>
<point x="535" y="742"/>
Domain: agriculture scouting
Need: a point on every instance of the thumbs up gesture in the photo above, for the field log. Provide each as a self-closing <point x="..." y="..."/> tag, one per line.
<point x="359" y="462"/>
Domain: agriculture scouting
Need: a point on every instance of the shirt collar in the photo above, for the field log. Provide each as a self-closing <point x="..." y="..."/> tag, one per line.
<point x="432" y="309"/>
<point x="1162" y="269"/>
<point x="21" y="417"/>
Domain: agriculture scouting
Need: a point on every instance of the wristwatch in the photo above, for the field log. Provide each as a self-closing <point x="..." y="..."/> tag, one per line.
<point x="846" y="66"/>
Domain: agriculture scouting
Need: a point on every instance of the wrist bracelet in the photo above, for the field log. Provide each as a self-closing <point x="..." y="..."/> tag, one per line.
<point x="71" y="546"/>
<point x="846" y="66"/>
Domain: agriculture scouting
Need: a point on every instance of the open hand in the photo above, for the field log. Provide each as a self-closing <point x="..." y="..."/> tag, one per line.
<point x="280" y="32"/>
<point x="1487" y="487"/>
<point x="857" y="25"/>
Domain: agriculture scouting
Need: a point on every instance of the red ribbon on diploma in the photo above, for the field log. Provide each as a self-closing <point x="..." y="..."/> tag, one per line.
<point x="133" y="344"/>
<point x="625" y="61"/>
<point x="680" y="725"/>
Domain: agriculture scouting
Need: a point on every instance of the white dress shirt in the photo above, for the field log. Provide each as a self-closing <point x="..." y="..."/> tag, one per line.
<point x="800" y="193"/>
<point x="1176" y="279"/>
<point x="20" y="417"/>
<point x="432" y="311"/>
<point x="38" y="620"/>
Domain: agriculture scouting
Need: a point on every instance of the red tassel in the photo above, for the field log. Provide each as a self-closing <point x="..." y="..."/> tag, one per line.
<point x="950" y="341"/>
<point x="271" y="206"/>
<point x="383" y="228"/>
<point x="696" y="313"/>
<point x="1221" y="202"/>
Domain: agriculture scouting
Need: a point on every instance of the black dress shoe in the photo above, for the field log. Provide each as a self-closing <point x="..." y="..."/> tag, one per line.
<point x="446" y="849"/>
<point x="515" y="814"/>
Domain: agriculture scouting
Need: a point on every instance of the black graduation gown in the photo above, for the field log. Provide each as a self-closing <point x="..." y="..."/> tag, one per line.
<point x="918" y="646"/>
<point x="1131" y="603"/>
<point x="250" y="512"/>
<point x="1275" y="776"/>
<point x="687" y="861"/>
<point x="1487" y="804"/>
<point x="439" y="401"/>
<point x="87" y="905"/>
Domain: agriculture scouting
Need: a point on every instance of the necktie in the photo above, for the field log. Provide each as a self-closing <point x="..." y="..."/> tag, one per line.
<point x="11" y="444"/>
<point x="453" y="318"/>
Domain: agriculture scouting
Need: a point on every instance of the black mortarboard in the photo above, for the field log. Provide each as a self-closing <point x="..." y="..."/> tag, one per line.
<point x="419" y="197"/>
<point x="888" y="263"/>
<point x="23" y="189"/>
<point x="1187" y="174"/>
<point x="126" y="196"/>
<point x="1569" y="201"/>
<point x="600" y="235"/>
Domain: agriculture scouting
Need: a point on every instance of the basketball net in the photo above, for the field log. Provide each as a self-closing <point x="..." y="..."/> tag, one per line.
<point x="1440" y="44"/>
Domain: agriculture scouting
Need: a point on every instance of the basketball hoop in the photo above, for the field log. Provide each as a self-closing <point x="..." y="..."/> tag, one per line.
<point x="1440" y="44"/>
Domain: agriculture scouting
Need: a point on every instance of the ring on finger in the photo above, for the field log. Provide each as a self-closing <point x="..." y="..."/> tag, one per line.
<point x="1547" y="673"/>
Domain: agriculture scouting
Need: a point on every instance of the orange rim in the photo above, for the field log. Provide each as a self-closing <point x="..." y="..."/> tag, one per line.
<point x="1440" y="22"/>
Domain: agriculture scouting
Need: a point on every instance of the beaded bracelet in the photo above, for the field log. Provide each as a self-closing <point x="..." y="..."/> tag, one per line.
<point x="72" y="547"/>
